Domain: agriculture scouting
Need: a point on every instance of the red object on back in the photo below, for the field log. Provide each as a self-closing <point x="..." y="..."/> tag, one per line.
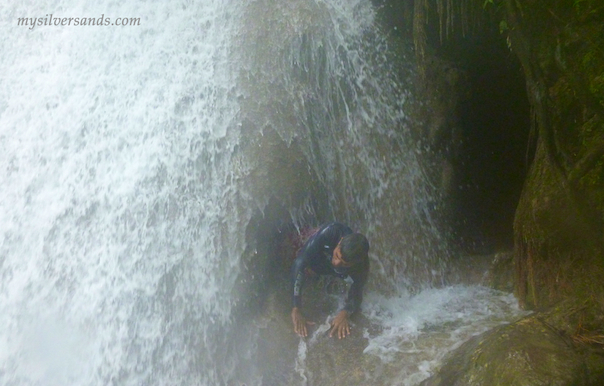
<point x="297" y="241"/>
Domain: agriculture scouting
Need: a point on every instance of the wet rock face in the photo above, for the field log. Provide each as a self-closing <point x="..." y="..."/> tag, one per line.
<point x="562" y="205"/>
<point x="513" y="355"/>
<point x="536" y="350"/>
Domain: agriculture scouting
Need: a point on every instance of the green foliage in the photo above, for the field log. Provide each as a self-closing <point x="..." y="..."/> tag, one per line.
<point x="503" y="26"/>
<point x="588" y="7"/>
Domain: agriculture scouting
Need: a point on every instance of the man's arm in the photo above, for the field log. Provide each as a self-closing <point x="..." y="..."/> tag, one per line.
<point x="298" y="279"/>
<point x="355" y="293"/>
<point x="297" y="282"/>
<point x="340" y="325"/>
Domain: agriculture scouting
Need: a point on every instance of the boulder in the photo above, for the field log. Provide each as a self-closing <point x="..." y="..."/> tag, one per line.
<point x="541" y="349"/>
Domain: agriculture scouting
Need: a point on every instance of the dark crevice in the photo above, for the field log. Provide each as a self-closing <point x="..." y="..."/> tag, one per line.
<point x="494" y="154"/>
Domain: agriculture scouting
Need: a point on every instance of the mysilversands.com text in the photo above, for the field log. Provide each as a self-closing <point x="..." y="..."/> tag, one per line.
<point x="77" y="21"/>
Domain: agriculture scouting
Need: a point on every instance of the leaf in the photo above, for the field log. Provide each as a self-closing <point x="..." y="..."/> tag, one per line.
<point x="503" y="26"/>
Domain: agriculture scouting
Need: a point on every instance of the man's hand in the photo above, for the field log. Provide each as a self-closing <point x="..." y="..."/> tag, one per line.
<point x="340" y="325"/>
<point x="299" y="322"/>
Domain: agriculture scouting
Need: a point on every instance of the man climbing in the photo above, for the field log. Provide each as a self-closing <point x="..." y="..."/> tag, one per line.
<point x="337" y="251"/>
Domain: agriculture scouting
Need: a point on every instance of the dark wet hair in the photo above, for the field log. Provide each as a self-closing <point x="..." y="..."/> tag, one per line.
<point x="355" y="248"/>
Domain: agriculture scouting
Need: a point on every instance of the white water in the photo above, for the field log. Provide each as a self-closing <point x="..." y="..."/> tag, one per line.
<point x="415" y="333"/>
<point x="115" y="149"/>
<point x="127" y="187"/>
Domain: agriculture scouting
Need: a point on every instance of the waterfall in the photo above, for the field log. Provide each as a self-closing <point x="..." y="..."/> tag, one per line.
<point x="142" y="166"/>
<point x="325" y="80"/>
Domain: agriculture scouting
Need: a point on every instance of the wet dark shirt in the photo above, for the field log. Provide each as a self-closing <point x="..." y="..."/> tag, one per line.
<point x="317" y="253"/>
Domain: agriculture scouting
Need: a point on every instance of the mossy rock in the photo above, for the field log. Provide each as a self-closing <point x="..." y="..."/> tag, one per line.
<point x="536" y="350"/>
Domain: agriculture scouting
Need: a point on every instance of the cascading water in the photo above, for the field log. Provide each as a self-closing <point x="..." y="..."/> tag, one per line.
<point x="138" y="164"/>
<point x="321" y="76"/>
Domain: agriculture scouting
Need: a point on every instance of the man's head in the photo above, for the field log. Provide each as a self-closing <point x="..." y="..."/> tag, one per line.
<point x="351" y="250"/>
